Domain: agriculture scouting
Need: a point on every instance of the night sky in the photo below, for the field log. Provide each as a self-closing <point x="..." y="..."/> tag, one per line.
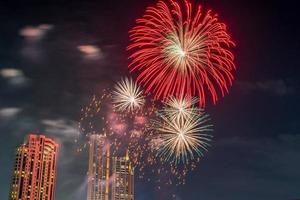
<point x="55" y="54"/>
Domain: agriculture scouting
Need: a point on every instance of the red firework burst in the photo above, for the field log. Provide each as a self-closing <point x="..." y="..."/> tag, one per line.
<point x="180" y="51"/>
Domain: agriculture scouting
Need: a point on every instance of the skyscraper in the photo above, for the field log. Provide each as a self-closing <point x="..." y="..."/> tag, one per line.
<point x="122" y="179"/>
<point x="98" y="173"/>
<point x="34" y="172"/>
<point x="108" y="177"/>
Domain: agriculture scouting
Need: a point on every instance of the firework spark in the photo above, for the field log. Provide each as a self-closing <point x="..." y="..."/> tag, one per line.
<point x="178" y="50"/>
<point x="123" y="130"/>
<point x="149" y="149"/>
<point x="127" y="96"/>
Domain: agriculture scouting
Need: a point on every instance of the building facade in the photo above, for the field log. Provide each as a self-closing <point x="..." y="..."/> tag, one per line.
<point x="109" y="177"/>
<point x="99" y="165"/>
<point x="122" y="179"/>
<point x="34" y="172"/>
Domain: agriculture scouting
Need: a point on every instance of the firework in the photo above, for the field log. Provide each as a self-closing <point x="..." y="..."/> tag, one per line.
<point x="183" y="130"/>
<point x="127" y="96"/>
<point x="149" y="148"/>
<point x="180" y="109"/>
<point x="125" y="131"/>
<point x="181" y="51"/>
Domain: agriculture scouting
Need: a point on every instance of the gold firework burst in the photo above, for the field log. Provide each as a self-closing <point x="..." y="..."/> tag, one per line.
<point x="183" y="130"/>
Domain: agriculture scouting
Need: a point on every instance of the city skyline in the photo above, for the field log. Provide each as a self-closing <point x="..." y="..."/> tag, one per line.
<point x="34" y="172"/>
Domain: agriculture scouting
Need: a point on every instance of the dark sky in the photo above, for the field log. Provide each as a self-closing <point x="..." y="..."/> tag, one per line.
<point x="55" y="54"/>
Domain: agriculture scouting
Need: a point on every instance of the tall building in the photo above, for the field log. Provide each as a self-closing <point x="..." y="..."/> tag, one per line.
<point x="109" y="178"/>
<point x="34" y="172"/>
<point x="98" y="173"/>
<point x="122" y="179"/>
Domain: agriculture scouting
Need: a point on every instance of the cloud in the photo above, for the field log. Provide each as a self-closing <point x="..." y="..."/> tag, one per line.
<point x="32" y="47"/>
<point x="91" y="52"/>
<point x="10" y="73"/>
<point x="60" y="127"/>
<point x="35" y="33"/>
<point x="14" y="77"/>
<point x="275" y="87"/>
<point x="65" y="131"/>
<point x="6" y="113"/>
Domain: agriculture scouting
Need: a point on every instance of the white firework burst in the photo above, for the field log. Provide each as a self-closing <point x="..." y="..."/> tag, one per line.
<point x="127" y="96"/>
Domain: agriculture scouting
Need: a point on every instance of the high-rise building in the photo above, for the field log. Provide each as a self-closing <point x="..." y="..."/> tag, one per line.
<point x="109" y="178"/>
<point x="34" y="172"/>
<point x="98" y="173"/>
<point x="122" y="179"/>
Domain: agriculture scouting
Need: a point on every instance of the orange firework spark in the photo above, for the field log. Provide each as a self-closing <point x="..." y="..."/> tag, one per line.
<point x="133" y="131"/>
